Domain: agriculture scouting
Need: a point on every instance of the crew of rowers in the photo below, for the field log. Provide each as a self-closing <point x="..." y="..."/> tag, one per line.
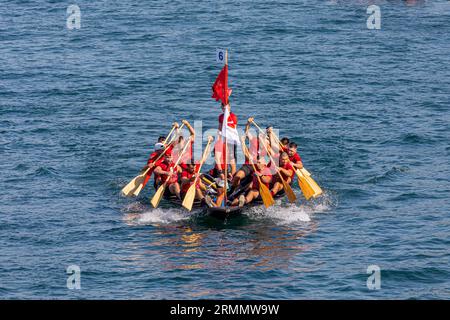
<point x="182" y="175"/>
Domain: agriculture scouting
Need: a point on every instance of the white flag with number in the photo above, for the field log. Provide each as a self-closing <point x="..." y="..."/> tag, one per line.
<point x="220" y="55"/>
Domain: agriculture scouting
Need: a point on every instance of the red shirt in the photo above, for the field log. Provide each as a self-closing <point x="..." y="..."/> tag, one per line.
<point x="187" y="155"/>
<point x="289" y="167"/>
<point x="265" y="172"/>
<point x="187" y="174"/>
<point x="166" y="167"/>
<point x="219" y="148"/>
<point x="154" y="156"/>
<point x="232" y="121"/>
<point x="295" y="158"/>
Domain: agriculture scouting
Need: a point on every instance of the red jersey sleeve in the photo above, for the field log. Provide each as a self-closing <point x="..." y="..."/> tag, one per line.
<point x="296" y="158"/>
<point x="234" y="120"/>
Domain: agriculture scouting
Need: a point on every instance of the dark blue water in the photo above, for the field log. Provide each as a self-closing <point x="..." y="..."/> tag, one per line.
<point x="81" y="109"/>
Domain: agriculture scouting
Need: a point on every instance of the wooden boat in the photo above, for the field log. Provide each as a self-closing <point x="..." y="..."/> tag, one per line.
<point x="221" y="213"/>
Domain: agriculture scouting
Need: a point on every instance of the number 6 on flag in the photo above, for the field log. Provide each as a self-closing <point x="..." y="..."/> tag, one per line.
<point x="220" y="55"/>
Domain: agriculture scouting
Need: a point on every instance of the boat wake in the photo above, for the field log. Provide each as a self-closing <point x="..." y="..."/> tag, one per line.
<point x="163" y="216"/>
<point x="281" y="213"/>
<point x="289" y="213"/>
<point x="138" y="214"/>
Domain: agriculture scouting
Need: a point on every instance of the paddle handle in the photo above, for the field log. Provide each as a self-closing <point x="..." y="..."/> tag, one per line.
<point x="259" y="128"/>
<point x="146" y="171"/>
<point x="249" y="156"/>
<point x="267" y="150"/>
<point x="178" y="160"/>
<point x="205" y="153"/>
<point x="167" y="137"/>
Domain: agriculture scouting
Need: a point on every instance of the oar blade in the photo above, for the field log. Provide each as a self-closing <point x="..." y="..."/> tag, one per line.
<point x="138" y="189"/>
<point x="289" y="192"/>
<point x="189" y="198"/>
<point x="130" y="187"/>
<point x="307" y="190"/>
<point x="140" y="185"/>
<point x="305" y="172"/>
<point x="313" y="184"/>
<point x="266" y="196"/>
<point x="158" y="195"/>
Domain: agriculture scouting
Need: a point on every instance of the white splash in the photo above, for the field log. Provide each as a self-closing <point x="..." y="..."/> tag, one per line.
<point x="163" y="216"/>
<point x="139" y="214"/>
<point x="290" y="213"/>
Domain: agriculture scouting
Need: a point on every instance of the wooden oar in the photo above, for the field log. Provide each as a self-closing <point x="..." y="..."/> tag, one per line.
<point x="159" y="193"/>
<point x="317" y="190"/>
<point x="190" y="194"/>
<point x="263" y="190"/>
<point x="167" y="137"/>
<point x="287" y="188"/>
<point x="134" y="183"/>
<point x="167" y="144"/>
<point x="306" y="182"/>
<point x="306" y="188"/>
<point x="135" y="186"/>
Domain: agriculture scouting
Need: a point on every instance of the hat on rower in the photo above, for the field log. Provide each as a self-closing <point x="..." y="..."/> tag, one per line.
<point x="159" y="146"/>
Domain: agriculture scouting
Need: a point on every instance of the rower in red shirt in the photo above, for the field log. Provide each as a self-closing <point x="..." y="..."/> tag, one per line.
<point x="232" y="119"/>
<point x="231" y="147"/>
<point x="180" y="143"/>
<point x="187" y="178"/>
<point x="246" y="169"/>
<point x="265" y="174"/>
<point x="294" y="157"/>
<point x="286" y="171"/>
<point x="167" y="170"/>
<point x="153" y="160"/>
<point x="155" y="157"/>
<point x="284" y="144"/>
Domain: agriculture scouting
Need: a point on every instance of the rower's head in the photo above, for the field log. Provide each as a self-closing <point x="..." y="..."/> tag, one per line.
<point x="181" y="141"/>
<point x="225" y="106"/>
<point x="261" y="163"/>
<point x="284" y="159"/>
<point x="159" y="147"/>
<point x="168" y="157"/>
<point x="292" y="149"/>
<point x="161" y="139"/>
<point x="284" y="141"/>
<point x="191" y="167"/>
<point x="269" y="129"/>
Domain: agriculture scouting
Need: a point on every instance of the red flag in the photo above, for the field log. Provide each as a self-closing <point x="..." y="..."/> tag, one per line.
<point x="220" y="86"/>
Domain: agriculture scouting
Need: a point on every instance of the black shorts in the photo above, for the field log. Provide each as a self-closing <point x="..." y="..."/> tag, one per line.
<point x="247" y="168"/>
<point x="215" y="172"/>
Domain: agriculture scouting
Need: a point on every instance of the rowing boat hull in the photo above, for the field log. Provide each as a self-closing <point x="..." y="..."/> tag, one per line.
<point x="223" y="213"/>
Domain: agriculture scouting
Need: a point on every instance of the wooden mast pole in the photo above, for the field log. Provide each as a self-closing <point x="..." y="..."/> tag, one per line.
<point x="226" y="143"/>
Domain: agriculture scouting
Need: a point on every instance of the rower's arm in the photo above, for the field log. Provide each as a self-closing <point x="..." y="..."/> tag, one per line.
<point x="160" y="171"/>
<point x="287" y="172"/>
<point x="298" y="165"/>
<point x="188" y="125"/>
<point x="185" y="180"/>
<point x="247" y="126"/>
<point x="266" y="179"/>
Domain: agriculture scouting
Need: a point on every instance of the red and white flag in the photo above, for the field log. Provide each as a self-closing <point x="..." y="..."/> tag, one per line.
<point x="227" y="131"/>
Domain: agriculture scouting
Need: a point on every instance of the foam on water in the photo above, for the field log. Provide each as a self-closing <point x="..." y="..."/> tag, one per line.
<point x="282" y="212"/>
<point x="163" y="216"/>
<point x="137" y="213"/>
<point x="287" y="213"/>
